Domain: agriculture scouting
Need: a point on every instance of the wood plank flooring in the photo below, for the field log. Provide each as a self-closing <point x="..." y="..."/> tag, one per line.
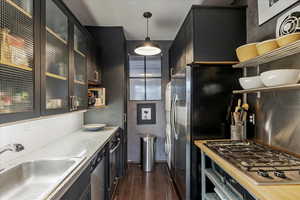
<point x="138" y="185"/>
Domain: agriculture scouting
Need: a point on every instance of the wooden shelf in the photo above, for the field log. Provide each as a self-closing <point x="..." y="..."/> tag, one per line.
<point x="19" y="8"/>
<point x="79" y="52"/>
<point x="79" y="82"/>
<point x="268" y="89"/>
<point x="56" y="35"/>
<point x="216" y="62"/>
<point x="56" y="76"/>
<point x="276" y="54"/>
<point x="26" y="68"/>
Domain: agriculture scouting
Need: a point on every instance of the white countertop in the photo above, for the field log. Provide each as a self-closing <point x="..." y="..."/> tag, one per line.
<point x="80" y="144"/>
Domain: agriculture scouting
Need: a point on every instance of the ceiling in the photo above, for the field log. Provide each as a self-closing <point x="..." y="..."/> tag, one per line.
<point x="167" y="17"/>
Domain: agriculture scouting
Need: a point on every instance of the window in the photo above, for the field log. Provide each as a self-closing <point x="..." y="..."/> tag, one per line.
<point x="145" y="78"/>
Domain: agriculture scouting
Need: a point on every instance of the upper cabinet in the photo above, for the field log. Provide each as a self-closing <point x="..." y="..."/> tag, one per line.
<point x="64" y="64"/>
<point x="79" y="69"/>
<point x="94" y="70"/>
<point x="55" y="65"/>
<point x="44" y="56"/>
<point x="18" y="61"/>
<point x="209" y="34"/>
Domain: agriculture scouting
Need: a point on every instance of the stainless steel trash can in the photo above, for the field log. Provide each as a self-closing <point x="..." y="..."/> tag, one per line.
<point x="148" y="152"/>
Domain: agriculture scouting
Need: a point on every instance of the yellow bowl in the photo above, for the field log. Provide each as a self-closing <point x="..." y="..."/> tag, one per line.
<point x="266" y="46"/>
<point x="288" y="39"/>
<point x="246" y="52"/>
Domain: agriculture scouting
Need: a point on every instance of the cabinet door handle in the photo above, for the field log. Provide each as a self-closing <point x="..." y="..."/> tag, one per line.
<point x="96" y="76"/>
<point x="71" y="103"/>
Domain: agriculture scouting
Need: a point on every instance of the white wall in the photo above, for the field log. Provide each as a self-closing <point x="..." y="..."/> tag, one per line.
<point x="34" y="134"/>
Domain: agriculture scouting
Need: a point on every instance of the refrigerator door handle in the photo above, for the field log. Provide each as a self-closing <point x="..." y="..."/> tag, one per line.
<point x="174" y="117"/>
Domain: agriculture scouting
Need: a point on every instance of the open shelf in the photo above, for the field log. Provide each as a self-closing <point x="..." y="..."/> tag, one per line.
<point x="212" y="196"/>
<point x="56" y="35"/>
<point x="268" y="89"/>
<point x="276" y="54"/>
<point x="19" y="8"/>
<point x="17" y="66"/>
<point x="56" y="76"/>
<point x="79" y="52"/>
<point x="215" y="179"/>
<point x="79" y="82"/>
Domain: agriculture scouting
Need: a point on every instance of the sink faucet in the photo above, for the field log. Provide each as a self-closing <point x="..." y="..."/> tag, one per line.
<point x="12" y="147"/>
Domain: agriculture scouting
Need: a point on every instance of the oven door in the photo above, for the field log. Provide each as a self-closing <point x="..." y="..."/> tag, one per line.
<point x="113" y="164"/>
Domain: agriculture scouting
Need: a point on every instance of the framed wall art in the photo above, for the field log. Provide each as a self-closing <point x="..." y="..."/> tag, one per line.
<point x="268" y="9"/>
<point x="146" y="113"/>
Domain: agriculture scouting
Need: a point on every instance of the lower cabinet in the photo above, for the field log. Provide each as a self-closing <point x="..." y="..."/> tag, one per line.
<point x="80" y="188"/>
<point x="100" y="178"/>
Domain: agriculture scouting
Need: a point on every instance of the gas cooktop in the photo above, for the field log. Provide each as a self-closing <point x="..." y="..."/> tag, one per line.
<point x="264" y="165"/>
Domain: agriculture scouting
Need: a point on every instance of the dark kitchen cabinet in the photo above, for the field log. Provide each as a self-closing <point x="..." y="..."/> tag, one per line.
<point x="79" y="70"/>
<point x="19" y="60"/>
<point x="80" y="189"/>
<point x="56" y="39"/>
<point x="209" y="34"/>
<point x="65" y="53"/>
<point x="111" y="43"/>
<point x="94" y="68"/>
<point x="44" y="56"/>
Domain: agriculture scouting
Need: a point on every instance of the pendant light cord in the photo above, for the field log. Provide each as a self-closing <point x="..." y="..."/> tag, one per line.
<point x="147" y="27"/>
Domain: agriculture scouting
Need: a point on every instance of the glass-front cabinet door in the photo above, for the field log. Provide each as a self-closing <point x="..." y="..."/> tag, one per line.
<point x="80" y="52"/>
<point x="55" y="91"/>
<point x="19" y="86"/>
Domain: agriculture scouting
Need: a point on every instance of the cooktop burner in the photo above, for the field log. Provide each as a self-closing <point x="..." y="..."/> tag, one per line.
<point x="262" y="164"/>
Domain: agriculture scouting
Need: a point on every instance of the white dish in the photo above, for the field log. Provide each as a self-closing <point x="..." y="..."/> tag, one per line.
<point x="280" y="77"/>
<point x="251" y="82"/>
<point x="93" y="127"/>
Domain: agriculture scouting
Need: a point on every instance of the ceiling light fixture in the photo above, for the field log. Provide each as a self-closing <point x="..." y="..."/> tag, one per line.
<point x="147" y="48"/>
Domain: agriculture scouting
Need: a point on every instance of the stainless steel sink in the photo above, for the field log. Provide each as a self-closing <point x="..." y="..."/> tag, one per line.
<point x="34" y="179"/>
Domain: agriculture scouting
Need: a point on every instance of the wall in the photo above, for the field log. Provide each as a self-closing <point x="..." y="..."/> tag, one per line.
<point x="34" y="134"/>
<point x="254" y="31"/>
<point x="159" y="128"/>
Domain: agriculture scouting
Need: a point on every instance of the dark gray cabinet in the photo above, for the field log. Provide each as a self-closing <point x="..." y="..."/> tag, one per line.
<point x="19" y="60"/>
<point x="44" y="60"/>
<point x="64" y="62"/>
<point x="209" y="34"/>
<point x="94" y="68"/>
<point x="80" y="190"/>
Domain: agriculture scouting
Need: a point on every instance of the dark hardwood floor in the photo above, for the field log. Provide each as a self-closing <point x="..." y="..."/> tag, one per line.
<point x="138" y="185"/>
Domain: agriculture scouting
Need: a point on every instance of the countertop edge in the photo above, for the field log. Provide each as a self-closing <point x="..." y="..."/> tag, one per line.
<point x="63" y="187"/>
<point x="274" y="192"/>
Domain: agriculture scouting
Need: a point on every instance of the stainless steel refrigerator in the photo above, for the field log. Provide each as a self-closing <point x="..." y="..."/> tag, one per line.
<point x="201" y="103"/>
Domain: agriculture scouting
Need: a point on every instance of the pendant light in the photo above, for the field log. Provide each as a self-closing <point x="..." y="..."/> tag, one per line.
<point x="147" y="48"/>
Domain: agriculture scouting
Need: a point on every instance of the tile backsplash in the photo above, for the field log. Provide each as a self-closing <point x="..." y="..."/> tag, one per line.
<point x="34" y="134"/>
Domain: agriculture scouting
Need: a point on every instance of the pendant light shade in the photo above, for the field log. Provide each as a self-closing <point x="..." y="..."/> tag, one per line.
<point x="147" y="48"/>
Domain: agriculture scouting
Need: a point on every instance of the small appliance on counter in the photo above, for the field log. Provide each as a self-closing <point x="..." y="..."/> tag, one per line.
<point x="96" y="97"/>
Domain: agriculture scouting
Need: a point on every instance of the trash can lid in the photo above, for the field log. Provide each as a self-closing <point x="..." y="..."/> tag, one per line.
<point x="147" y="135"/>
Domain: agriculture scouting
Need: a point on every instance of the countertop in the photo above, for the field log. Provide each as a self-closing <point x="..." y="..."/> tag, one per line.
<point x="80" y="144"/>
<point x="274" y="192"/>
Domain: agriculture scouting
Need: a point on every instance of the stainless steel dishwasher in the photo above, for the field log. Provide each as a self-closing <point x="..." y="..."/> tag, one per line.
<point x="98" y="177"/>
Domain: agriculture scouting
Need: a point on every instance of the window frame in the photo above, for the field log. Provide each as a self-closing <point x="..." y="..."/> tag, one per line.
<point x="144" y="78"/>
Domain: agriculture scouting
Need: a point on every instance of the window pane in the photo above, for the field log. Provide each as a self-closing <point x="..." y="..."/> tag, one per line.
<point x="137" y="89"/>
<point x="153" y="89"/>
<point x="136" y="66"/>
<point x="153" y="66"/>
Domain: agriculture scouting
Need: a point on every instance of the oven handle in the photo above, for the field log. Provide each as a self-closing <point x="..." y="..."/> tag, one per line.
<point x="116" y="147"/>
